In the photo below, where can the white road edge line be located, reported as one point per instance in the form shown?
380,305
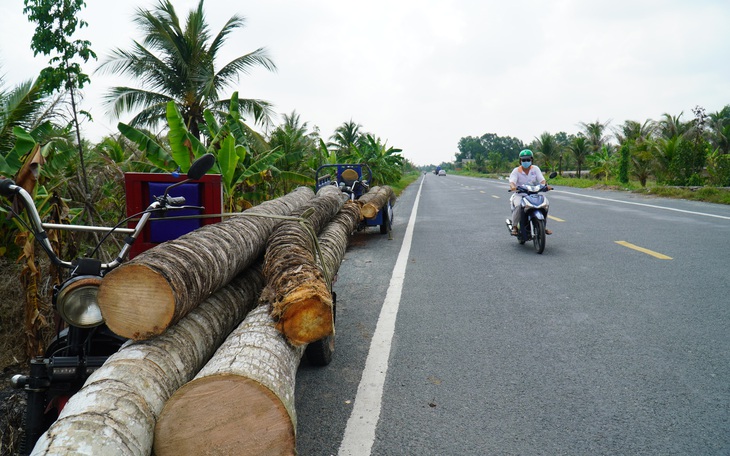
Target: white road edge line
646,205
360,431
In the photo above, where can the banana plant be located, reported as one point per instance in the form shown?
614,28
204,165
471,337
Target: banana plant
55,159
385,162
231,144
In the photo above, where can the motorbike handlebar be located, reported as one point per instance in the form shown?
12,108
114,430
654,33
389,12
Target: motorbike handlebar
176,200
6,187
520,188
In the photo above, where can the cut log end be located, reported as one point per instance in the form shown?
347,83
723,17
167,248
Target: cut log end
224,414
306,315
136,302
369,211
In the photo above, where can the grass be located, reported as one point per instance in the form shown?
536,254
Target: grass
405,181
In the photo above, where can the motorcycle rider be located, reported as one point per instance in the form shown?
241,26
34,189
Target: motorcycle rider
525,173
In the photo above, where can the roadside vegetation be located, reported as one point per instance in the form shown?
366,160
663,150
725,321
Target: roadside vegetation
181,102
671,157
708,194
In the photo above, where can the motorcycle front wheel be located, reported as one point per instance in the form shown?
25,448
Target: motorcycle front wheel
538,235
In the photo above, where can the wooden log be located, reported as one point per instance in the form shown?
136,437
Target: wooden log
375,199
295,284
335,237
116,410
145,296
242,401
232,407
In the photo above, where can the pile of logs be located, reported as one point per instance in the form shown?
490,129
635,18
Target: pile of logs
218,320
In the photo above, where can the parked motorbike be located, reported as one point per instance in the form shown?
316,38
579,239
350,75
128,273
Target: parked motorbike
84,343
534,215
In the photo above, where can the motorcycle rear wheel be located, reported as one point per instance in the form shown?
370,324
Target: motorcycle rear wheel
538,235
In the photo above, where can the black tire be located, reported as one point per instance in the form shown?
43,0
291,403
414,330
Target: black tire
385,227
521,234
538,235
320,352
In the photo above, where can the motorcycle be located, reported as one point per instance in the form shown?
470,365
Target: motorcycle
534,214
85,342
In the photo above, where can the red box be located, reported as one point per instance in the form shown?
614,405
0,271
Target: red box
141,188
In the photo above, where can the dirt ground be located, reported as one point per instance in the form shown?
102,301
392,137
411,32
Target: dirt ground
12,356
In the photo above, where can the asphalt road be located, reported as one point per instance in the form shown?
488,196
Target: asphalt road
593,348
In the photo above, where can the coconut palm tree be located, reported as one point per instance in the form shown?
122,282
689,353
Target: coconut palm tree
638,140
719,124
549,148
177,62
344,137
579,148
384,162
594,133
672,126
27,106
298,146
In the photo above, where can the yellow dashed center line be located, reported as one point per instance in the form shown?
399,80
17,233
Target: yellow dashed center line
555,218
643,250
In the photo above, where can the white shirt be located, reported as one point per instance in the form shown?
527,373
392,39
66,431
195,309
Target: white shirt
519,177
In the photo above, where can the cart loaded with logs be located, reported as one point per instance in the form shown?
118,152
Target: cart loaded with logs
217,321
376,202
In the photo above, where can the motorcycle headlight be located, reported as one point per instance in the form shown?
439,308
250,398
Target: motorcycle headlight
77,304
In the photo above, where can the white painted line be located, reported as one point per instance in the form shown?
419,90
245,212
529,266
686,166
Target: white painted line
360,431
646,205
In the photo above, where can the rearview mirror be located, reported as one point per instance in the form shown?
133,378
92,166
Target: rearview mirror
553,174
201,166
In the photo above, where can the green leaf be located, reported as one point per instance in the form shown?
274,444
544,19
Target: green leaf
213,127
228,159
24,143
264,162
154,152
185,147
295,178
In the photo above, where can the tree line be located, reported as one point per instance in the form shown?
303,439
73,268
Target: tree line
670,151
173,112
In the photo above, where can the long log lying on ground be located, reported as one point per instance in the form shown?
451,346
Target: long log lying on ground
295,284
116,410
143,297
242,401
230,407
374,200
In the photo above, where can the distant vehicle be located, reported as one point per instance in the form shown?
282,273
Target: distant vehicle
442,172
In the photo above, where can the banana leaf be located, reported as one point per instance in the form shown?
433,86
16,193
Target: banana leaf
154,152
228,160
185,147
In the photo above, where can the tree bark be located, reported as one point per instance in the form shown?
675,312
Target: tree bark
242,401
145,296
375,199
335,237
295,284
116,410
232,407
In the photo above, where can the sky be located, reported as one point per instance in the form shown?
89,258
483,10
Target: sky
422,74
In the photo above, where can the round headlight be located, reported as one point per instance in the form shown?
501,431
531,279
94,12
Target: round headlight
77,303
